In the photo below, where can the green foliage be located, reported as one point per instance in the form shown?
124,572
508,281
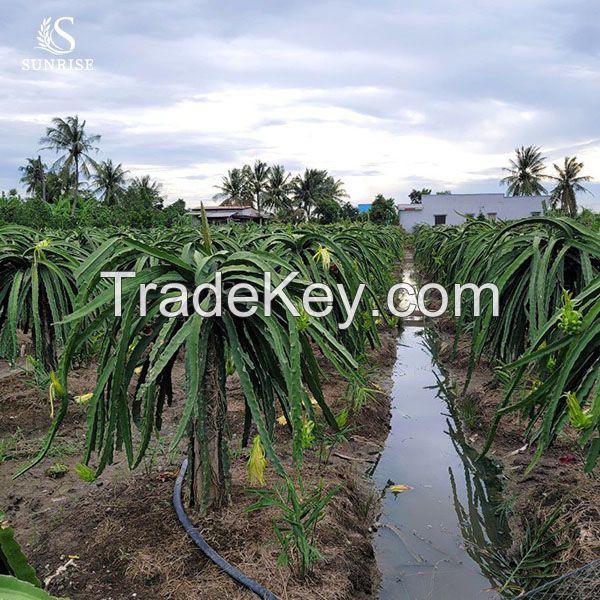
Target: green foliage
13,589
468,405
526,172
37,290
315,193
590,219
135,208
569,182
342,418
543,333
359,392
531,261
308,436
383,211
275,358
295,525
532,562
12,560
36,373
573,377
85,473
68,137
416,196
569,319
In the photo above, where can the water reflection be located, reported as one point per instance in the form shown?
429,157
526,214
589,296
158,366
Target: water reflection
437,540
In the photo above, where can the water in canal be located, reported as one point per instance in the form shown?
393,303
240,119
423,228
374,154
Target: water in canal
434,540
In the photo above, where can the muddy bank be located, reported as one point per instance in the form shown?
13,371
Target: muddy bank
557,482
123,530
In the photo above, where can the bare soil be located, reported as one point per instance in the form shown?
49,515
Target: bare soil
557,482
120,535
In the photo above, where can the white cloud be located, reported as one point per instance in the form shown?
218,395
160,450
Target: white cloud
387,95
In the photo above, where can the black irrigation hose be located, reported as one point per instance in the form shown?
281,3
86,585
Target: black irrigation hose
234,573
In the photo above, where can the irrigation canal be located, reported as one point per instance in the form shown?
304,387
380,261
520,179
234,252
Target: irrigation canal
434,541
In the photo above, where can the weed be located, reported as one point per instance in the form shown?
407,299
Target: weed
468,406
13,446
85,473
506,507
296,523
533,561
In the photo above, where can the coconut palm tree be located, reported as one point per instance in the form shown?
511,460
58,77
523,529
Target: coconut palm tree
234,189
68,136
110,180
568,184
308,189
145,192
526,173
34,177
314,186
334,189
279,187
258,179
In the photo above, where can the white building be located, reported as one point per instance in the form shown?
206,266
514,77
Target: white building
453,209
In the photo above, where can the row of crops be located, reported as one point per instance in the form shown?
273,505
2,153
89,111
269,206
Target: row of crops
52,290
546,340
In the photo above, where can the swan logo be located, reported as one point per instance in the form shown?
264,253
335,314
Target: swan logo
53,37
48,34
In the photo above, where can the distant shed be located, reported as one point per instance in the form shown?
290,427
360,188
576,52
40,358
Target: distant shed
226,214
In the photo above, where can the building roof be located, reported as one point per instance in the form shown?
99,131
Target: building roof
226,212
220,206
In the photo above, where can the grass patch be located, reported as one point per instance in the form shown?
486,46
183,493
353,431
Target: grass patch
17,447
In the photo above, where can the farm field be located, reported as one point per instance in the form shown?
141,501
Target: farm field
281,417
316,398
300,301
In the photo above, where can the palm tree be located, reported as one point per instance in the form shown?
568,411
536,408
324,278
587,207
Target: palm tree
34,177
416,196
68,136
526,173
109,180
279,188
315,186
145,191
568,184
257,178
333,189
57,186
307,189
234,189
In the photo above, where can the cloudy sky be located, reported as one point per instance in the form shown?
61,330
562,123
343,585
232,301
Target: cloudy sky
387,95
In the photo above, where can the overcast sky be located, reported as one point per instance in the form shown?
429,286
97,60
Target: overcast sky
386,95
